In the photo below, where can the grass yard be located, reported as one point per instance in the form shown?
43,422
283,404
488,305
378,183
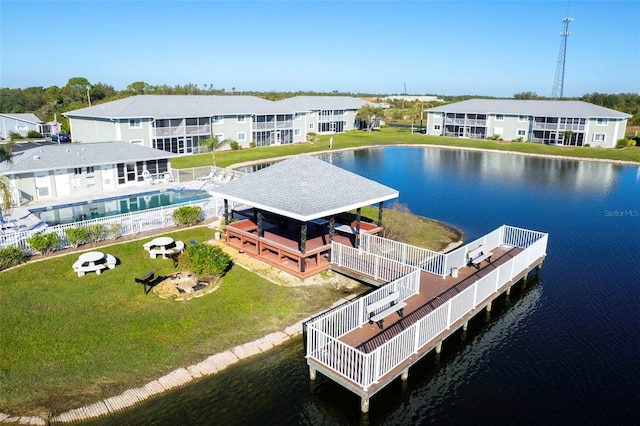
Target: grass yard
398,136
69,341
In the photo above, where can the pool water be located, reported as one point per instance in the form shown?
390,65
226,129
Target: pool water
70,213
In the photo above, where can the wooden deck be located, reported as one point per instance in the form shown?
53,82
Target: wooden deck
434,291
280,244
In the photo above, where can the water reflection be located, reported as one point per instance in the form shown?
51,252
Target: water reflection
565,349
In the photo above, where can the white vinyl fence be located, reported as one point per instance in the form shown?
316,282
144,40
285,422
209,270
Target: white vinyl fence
130,223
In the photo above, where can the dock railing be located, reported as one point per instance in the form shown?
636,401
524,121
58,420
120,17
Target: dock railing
427,260
365,369
373,264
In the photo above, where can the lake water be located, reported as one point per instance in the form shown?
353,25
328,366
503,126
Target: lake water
563,349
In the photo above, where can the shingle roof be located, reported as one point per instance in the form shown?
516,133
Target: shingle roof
305,188
52,157
27,117
179,106
311,103
577,109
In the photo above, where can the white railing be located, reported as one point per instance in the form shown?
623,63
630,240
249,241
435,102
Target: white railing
372,264
427,260
365,369
341,320
130,223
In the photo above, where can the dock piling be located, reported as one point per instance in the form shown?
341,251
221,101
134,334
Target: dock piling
404,375
312,373
364,404
439,347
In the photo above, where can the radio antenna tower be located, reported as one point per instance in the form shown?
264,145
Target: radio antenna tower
558,82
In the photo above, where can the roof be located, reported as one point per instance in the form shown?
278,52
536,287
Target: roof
178,106
51,157
305,188
315,103
578,109
30,118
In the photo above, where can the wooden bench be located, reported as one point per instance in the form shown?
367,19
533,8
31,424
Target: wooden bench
477,255
393,304
146,280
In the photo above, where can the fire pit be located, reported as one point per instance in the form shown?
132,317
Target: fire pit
183,286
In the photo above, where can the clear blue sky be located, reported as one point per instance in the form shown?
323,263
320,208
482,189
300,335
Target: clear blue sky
494,48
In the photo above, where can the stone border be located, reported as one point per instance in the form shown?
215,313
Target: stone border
177,378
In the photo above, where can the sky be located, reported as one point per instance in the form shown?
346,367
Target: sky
488,48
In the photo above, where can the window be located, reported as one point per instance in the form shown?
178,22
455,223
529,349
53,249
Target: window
217,119
499,117
136,142
598,137
77,171
135,123
242,136
523,118
310,126
220,136
296,132
241,118
522,132
436,127
602,121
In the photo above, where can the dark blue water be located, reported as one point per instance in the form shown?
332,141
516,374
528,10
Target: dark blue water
563,349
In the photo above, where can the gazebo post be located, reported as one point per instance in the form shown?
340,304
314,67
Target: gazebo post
226,211
332,232
303,245
358,214
259,223
380,205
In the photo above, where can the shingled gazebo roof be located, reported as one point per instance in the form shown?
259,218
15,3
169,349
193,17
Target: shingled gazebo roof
305,188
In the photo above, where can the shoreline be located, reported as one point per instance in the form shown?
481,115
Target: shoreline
181,376
529,154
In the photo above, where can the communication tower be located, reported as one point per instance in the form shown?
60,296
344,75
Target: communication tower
558,82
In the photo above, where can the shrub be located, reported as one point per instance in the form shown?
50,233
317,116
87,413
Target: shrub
33,134
495,138
252,144
312,137
623,143
205,260
15,136
520,139
187,215
76,236
95,232
44,243
234,145
11,256
113,230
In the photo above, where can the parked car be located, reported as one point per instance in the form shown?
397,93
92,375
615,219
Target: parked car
62,137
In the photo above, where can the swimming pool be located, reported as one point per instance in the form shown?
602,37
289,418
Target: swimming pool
76,212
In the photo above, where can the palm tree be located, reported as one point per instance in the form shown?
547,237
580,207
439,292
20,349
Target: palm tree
212,143
6,151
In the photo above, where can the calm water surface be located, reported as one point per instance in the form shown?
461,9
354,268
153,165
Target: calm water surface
563,349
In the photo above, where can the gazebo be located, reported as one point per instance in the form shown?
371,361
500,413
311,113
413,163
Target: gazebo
293,211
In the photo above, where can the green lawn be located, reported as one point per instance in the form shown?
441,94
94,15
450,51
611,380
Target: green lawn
395,136
68,340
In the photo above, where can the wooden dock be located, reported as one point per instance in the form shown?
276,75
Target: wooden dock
345,346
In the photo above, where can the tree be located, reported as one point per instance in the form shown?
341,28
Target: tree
6,151
369,115
212,143
76,90
138,88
